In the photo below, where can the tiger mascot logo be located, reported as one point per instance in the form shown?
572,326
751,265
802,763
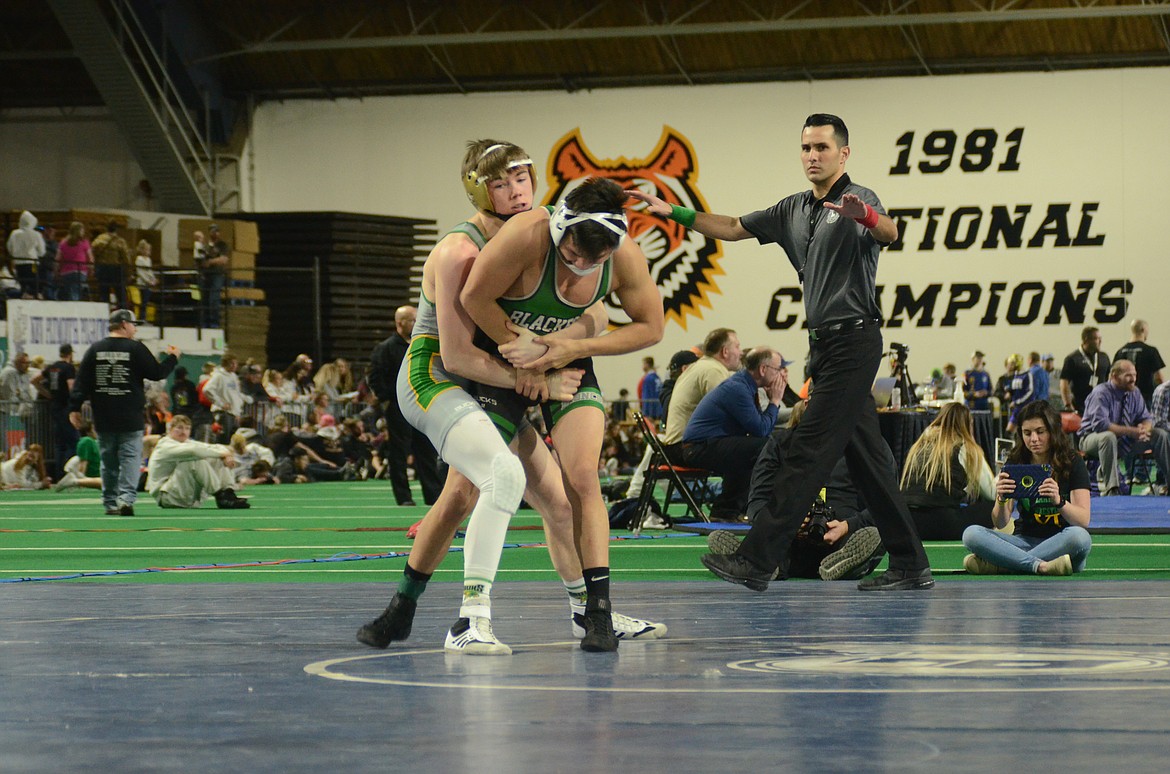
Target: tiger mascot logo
683,262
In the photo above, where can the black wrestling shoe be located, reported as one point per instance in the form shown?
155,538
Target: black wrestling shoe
898,580
227,499
599,634
393,624
733,568
125,510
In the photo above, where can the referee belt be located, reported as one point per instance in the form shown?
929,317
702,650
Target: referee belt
829,330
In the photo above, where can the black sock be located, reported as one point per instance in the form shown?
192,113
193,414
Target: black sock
596,585
413,582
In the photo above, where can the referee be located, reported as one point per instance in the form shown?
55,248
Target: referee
832,236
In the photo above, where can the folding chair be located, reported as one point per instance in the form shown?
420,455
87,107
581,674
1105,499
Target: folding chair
1139,470
1133,470
678,478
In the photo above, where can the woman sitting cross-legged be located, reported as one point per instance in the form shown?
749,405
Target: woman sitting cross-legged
1051,535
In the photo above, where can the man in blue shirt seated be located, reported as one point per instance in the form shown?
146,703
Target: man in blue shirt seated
1117,422
728,429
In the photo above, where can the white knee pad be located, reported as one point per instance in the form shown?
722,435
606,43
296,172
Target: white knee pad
507,481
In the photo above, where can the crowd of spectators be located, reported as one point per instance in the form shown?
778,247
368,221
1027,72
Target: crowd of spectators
292,426
39,265
39,262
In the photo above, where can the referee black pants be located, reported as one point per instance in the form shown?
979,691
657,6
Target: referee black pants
841,420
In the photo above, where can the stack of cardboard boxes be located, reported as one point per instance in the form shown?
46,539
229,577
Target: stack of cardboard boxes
245,312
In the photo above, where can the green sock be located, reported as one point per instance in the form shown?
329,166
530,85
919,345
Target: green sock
413,583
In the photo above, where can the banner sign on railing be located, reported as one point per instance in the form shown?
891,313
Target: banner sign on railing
41,327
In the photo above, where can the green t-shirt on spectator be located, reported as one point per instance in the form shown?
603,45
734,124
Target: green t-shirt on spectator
87,449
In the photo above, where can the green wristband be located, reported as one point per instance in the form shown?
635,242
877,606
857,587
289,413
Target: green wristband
682,215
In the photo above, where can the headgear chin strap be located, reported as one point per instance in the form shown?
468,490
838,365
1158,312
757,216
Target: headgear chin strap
563,218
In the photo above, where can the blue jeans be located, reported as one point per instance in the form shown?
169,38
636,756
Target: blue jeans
121,467
1021,554
211,288
74,286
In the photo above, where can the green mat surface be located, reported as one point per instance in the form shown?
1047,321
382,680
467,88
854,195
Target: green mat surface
352,532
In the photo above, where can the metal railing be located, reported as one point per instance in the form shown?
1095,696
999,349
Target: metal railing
183,134
25,423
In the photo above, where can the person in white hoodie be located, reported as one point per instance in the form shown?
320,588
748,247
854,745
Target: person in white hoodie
182,473
223,390
26,246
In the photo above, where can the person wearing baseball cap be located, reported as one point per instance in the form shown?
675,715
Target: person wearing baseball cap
679,361
120,316
213,276
117,397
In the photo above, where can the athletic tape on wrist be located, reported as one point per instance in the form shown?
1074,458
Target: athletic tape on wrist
682,215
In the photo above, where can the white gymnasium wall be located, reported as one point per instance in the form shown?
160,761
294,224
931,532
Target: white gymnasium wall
1088,156
1090,146
58,162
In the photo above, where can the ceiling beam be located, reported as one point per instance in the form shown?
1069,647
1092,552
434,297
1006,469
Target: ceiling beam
674,29
577,81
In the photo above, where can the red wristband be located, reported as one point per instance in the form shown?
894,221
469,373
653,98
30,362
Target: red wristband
870,219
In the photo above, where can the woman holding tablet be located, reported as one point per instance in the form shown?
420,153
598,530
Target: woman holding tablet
1050,537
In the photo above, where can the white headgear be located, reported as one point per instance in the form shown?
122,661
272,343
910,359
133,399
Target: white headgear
562,218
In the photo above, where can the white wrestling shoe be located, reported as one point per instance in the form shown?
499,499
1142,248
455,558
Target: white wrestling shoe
474,637
624,627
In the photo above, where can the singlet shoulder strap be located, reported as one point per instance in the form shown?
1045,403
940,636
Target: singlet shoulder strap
472,232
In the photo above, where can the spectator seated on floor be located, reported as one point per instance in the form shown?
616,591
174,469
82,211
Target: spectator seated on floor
260,473
327,461
84,468
294,469
945,469
1051,535
247,452
357,448
182,473
77,475
26,470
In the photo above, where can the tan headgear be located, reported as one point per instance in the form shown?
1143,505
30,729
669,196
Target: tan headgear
476,181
